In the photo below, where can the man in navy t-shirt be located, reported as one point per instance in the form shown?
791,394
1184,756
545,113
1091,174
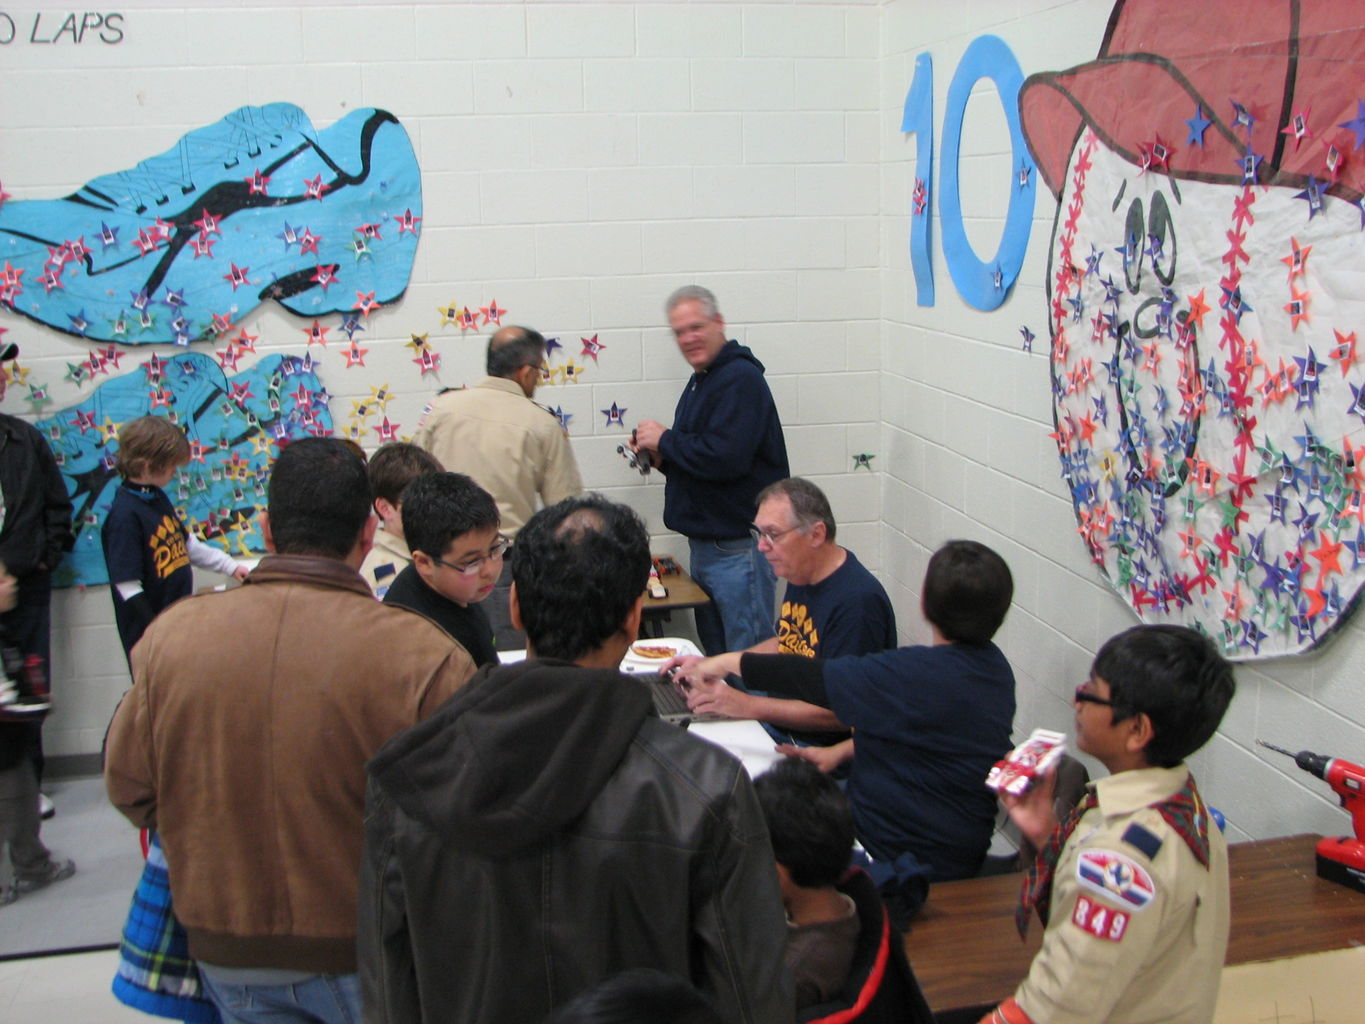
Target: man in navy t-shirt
832,607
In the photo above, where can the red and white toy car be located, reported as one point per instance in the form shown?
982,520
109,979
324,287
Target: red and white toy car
1026,762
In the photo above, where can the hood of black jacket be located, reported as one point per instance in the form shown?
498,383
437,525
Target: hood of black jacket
729,352
516,755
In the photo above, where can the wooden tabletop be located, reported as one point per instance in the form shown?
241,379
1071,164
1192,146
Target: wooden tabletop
966,952
683,592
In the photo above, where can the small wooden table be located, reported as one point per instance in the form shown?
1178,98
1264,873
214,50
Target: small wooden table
683,592
966,952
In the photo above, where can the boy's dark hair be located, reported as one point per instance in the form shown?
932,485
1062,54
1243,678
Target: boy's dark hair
578,566
809,821
395,466
639,994
439,507
512,348
809,504
1175,677
967,591
319,498
148,444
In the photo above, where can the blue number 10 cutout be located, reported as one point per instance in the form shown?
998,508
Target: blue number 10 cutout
981,285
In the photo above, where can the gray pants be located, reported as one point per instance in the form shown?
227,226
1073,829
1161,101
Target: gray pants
19,825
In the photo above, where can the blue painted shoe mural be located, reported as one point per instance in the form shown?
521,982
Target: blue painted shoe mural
257,206
236,426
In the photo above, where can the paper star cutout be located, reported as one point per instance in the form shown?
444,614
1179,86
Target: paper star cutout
450,314
1241,117
237,276
256,184
408,222
314,188
592,347
229,358
245,342
1332,159
1298,256
615,416
1249,164
1297,308
469,320
381,396
203,245
863,460
1345,352
354,355
365,303
1357,124
308,242
317,334
550,345
1199,124
1028,337
1297,128
569,373
1312,195
429,361
418,343
350,323
387,431
563,418
919,198
1024,175
3,195
492,314
325,274
240,393
1154,155
359,247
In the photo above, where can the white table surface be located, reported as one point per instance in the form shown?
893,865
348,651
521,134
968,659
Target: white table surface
747,740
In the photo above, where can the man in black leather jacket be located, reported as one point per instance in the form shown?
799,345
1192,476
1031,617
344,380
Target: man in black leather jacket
544,830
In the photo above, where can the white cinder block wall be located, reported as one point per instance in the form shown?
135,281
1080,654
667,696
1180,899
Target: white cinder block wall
966,453
579,161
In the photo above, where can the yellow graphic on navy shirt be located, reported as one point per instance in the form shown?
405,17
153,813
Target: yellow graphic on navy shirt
169,552
796,632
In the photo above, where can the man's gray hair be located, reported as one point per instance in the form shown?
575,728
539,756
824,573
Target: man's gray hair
512,348
693,293
809,504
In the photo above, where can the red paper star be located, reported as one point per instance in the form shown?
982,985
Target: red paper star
387,431
365,304
161,397
325,274
429,361
240,393
592,347
208,223
237,276
197,451
355,355
222,322
308,242
492,314
1297,128
408,222
314,187
245,342
256,184
1345,352
1328,554
1297,308
85,420
469,319
229,358
203,245
369,231
1297,258
316,334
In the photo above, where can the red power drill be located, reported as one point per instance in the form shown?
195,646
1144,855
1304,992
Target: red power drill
1341,858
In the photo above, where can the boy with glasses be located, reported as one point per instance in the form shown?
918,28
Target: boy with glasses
451,526
1133,886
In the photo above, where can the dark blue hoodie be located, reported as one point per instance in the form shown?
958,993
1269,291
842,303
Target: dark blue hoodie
724,447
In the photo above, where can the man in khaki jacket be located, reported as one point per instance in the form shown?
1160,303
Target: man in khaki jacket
513,448
244,740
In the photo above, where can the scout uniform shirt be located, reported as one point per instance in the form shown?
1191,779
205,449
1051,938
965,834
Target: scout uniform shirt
1138,926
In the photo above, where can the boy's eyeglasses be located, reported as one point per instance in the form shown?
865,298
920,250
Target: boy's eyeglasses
1084,696
472,566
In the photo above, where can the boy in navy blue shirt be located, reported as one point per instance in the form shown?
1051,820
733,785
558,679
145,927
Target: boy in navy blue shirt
929,722
147,549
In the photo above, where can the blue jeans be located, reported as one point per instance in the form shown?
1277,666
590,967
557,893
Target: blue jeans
742,588
322,999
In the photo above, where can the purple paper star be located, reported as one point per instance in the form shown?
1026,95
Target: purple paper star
1250,164
1357,124
1312,195
1241,117
615,416
1028,337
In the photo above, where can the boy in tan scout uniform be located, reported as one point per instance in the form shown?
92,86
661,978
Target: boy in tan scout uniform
1133,887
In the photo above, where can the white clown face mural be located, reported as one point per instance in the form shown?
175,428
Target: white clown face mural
1205,300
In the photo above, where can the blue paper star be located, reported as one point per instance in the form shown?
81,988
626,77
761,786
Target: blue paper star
1357,124
1250,165
1092,262
563,417
1199,124
1024,174
615,416
1028,337
1241,117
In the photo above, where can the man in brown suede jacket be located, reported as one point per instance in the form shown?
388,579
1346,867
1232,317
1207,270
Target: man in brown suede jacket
245,736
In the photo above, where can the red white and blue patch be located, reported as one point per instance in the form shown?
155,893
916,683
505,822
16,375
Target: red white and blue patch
1116,876
1099,919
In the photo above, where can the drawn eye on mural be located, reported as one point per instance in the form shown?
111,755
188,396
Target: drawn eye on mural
1207,394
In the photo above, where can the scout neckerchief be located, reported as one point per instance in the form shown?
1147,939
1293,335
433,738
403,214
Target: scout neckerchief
1183,811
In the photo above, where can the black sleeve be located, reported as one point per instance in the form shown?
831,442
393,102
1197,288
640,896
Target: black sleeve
57,536
789,675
